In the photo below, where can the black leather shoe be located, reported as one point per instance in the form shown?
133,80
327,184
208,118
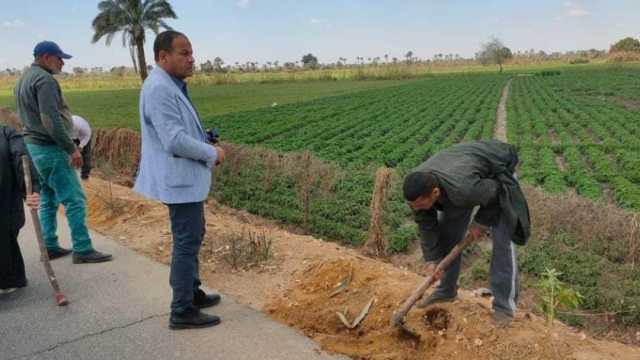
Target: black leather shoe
201,300
58,253
192,319
92,257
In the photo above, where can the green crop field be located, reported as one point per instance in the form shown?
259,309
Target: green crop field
575,127
580,129
571,131
396,127
113,108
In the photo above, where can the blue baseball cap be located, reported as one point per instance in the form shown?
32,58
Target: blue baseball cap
51,48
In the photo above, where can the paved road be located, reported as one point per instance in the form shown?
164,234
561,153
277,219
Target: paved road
119,310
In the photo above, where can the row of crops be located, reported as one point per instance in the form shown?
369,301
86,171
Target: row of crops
570,128
397,127
572,133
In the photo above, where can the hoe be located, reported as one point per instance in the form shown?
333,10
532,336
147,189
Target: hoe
397,320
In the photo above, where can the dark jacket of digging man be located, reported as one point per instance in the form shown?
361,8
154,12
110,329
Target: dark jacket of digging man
478,174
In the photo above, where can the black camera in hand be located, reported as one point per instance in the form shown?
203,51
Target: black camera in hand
213,137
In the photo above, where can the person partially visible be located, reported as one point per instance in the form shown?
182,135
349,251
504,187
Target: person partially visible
12,195
82,138
47,133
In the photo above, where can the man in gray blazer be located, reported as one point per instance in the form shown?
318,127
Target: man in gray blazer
175,168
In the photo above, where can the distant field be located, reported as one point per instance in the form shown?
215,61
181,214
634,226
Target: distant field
401,70
580,129
119,108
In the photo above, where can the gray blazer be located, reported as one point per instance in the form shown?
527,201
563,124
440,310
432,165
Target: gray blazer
176,162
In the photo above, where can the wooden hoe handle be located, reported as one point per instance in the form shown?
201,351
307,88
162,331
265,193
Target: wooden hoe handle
398,316
60,299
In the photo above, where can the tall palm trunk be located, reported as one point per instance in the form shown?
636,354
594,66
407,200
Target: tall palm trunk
142,63
133,58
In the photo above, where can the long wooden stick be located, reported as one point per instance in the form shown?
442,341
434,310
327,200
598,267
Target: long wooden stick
398,317
60,299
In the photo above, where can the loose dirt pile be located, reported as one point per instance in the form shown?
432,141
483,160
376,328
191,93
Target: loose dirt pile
463,329
299,286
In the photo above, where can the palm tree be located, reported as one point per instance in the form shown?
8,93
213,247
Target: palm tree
132,18
408,55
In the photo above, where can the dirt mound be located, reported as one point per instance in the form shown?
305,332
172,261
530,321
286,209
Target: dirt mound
110,205
449,331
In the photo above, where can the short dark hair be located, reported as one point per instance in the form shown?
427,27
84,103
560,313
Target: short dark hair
418,183
163,41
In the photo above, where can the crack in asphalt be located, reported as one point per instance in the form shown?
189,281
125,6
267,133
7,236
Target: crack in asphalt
86,336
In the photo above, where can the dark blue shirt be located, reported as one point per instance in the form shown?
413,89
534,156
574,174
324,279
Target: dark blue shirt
182,85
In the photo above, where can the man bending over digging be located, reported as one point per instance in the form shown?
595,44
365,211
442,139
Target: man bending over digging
443,192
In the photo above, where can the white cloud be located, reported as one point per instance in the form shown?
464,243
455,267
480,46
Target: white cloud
13,24
315,21
574,9
243,3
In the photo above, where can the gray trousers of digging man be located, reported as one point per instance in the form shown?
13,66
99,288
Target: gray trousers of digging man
440,231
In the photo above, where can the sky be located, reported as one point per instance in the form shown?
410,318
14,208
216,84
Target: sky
285,30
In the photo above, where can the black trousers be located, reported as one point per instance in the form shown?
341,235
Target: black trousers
187,227
87,163
12,273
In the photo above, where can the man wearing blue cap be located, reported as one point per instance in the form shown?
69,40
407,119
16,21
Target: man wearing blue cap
48,135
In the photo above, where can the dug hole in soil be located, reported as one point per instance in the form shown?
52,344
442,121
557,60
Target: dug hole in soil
306,282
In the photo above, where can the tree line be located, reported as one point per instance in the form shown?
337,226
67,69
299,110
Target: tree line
132,18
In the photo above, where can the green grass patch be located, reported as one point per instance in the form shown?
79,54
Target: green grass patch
606,286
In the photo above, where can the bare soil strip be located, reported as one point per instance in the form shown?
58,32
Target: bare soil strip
562,164
500,130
